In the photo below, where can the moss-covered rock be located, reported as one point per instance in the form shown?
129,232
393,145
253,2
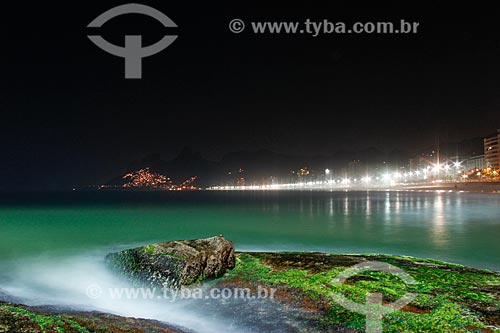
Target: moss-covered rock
451,298
176,263
15,318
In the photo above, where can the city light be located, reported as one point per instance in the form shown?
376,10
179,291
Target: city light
144,178
404,176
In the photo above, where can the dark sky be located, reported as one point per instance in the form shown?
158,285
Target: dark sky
69,117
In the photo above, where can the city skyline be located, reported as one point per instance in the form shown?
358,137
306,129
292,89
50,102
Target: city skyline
470,160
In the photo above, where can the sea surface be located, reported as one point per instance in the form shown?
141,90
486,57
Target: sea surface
52,245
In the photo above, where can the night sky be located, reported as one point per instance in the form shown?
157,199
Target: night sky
68,116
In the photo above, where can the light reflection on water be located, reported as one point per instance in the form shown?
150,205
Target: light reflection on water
448,226
457,227
52,248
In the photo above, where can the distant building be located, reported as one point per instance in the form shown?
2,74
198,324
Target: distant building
418,163
491,151
355,168
475,162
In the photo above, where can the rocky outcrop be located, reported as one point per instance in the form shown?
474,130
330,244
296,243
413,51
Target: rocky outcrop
176,263
293,292
449,297
17,318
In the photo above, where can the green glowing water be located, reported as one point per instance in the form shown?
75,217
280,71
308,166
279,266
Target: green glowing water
457,227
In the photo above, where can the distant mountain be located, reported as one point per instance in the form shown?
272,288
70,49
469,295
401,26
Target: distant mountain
250,166
261,162
186,165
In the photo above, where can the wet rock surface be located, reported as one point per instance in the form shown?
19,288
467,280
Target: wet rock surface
176,263
451,298
15,318
287,311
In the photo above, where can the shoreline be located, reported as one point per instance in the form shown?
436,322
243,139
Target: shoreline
458,187
303,287
468,187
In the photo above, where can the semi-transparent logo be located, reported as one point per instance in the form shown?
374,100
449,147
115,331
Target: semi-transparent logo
373,309
133,51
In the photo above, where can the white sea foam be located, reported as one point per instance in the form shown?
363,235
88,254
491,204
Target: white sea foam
64,281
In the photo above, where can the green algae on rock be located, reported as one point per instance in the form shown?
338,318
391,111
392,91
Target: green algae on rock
17,318
176,263
451,298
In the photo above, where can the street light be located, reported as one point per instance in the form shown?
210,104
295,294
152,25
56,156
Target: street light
327,176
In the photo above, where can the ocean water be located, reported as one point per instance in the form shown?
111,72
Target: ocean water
52,245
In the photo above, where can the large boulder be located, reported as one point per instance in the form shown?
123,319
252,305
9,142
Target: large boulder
176,263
